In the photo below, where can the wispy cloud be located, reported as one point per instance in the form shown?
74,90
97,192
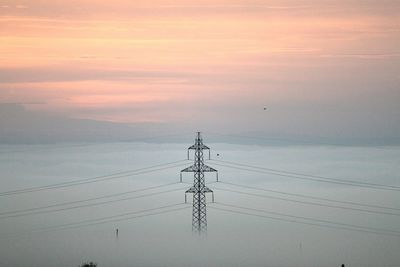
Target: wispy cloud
362,56
21,7
209,60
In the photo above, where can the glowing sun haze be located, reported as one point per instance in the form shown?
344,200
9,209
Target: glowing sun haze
168,61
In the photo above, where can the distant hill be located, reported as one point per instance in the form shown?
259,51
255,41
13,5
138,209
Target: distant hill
21,126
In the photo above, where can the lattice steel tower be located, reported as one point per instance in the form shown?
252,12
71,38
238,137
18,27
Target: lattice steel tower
199,188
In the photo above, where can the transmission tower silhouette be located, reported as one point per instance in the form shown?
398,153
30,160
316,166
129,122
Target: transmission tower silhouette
199,188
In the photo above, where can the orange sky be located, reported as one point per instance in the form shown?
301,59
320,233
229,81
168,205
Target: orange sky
171,60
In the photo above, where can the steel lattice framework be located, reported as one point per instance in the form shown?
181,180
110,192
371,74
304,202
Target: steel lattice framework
199,188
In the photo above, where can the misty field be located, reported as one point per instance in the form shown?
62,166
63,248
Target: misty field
71,223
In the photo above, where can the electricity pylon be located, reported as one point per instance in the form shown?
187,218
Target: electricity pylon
199,188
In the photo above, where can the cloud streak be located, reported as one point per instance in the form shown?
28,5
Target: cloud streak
177,61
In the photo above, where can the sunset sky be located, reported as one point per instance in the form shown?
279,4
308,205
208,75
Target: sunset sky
321,67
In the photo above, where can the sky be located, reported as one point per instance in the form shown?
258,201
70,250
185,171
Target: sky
321,68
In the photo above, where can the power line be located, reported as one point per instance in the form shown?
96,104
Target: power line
86,200
308,221
312,219
93,179
88,205
309,203
308,175
110,218
310,197
104,220
311,177
299,222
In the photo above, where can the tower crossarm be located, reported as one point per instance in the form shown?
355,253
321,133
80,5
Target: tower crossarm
191,190
206,168
194,190
199,146
195,168
207,190
192,168
202,168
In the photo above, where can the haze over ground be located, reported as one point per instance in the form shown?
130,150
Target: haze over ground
166,239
